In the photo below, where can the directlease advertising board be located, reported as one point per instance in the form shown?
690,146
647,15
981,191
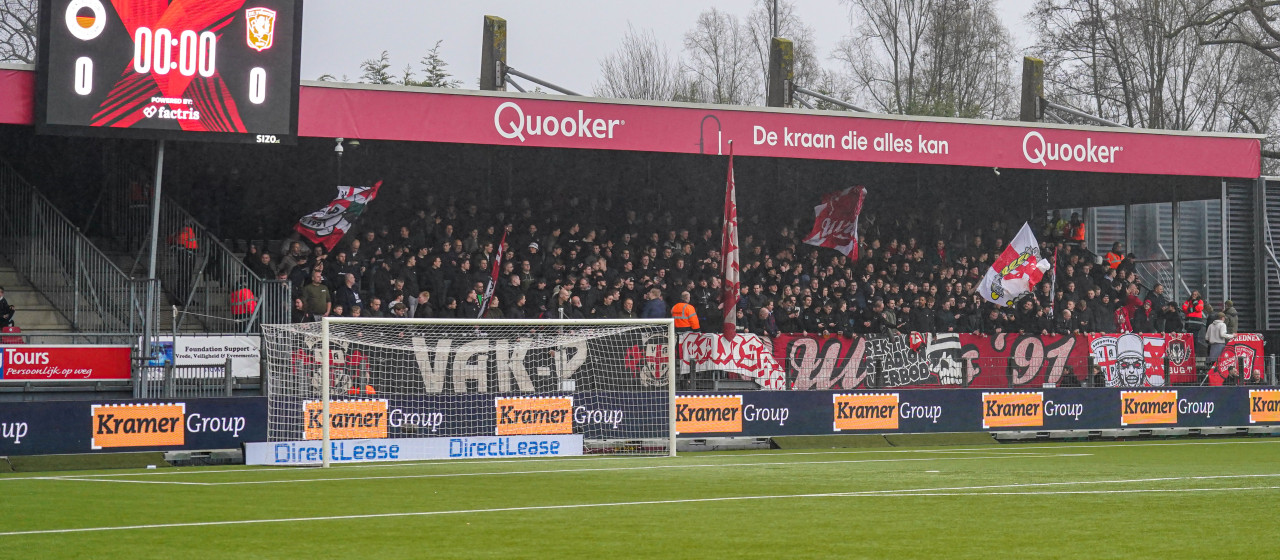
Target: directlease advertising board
27,363
413,449
59,427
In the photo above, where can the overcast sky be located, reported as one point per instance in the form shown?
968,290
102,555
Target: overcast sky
561,41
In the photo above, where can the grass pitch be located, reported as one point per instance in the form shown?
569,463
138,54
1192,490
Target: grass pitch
1177,499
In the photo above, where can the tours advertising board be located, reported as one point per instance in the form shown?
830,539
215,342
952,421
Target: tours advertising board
28,363
224,70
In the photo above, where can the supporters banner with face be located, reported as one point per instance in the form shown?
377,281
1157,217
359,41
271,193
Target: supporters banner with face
1016,271
729,256
835,223
1144,360
327,225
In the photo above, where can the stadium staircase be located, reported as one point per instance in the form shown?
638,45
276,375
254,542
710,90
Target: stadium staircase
199,273
34,312
60,281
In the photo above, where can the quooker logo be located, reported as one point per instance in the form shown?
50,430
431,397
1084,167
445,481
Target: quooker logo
510,120
1038,150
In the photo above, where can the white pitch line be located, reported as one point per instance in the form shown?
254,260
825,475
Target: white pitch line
897,493
1066,483
601,469
1071,492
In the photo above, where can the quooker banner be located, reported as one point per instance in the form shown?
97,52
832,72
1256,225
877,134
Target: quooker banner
332,111
471,118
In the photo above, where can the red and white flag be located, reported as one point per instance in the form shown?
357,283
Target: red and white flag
493,277
1016,271
835,223
327,225
729,256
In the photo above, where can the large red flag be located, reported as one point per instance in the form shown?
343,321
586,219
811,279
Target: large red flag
729,256
835,223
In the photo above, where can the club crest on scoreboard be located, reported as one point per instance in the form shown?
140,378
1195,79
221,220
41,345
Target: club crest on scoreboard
260,24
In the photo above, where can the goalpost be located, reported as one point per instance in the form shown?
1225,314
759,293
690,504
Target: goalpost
358,389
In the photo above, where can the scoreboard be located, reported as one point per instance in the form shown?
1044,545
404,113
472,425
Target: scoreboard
211,70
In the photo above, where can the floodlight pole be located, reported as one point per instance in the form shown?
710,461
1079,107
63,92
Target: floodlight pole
149,322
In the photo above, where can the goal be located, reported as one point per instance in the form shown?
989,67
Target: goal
358,389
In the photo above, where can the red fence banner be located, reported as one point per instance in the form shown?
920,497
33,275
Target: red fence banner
815,362
1022,360
64,363
748,355
1244,352
1139,360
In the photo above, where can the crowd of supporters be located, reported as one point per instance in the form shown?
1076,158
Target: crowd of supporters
910,274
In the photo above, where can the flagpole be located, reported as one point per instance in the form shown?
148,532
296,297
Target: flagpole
493,277
1053,284
729,256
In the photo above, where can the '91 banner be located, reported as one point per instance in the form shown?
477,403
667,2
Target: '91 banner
184,69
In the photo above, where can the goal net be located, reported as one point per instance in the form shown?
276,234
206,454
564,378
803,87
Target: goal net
414,389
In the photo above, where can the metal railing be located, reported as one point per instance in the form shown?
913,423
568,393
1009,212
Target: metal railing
51,253
169,381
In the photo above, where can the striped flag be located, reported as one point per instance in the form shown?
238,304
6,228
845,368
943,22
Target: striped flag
327,225
729,256
493,278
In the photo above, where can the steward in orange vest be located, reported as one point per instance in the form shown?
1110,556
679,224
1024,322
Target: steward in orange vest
685,315
1115,256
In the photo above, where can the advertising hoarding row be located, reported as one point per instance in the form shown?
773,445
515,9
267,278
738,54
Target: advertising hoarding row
61,427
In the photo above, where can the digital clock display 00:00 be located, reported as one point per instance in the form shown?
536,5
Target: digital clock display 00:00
195,66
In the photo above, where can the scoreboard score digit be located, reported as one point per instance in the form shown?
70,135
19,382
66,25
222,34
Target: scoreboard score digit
212,70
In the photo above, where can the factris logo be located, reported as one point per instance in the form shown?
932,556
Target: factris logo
1037,150
510,121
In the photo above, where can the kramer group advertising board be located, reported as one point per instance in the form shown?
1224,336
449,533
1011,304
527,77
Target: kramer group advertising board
60,427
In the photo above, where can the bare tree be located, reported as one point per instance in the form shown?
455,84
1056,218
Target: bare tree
18,30
1138,63
930,57
641,68
720,60
1252,23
